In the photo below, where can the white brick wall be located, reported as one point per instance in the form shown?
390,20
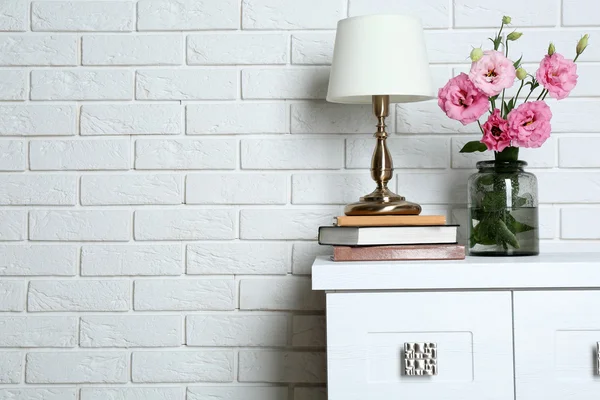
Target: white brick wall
38,50
11,364
165,164
131,331
189,84
131,119
32,120
101,260
13,85
77,367
238,330
38,331
184,294
39,394
151,393
83,295
243,392
12,295
13,155
282,366
82,16
13,15
132,50
225,118
237,48
182,366
81,84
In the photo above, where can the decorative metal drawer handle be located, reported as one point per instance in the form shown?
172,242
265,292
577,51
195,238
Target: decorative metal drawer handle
597,358
420,359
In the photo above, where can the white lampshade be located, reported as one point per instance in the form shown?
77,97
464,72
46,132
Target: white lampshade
380,55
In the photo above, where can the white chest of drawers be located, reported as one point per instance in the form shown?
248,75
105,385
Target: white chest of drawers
504,328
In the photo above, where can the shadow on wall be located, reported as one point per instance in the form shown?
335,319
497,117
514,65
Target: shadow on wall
319,84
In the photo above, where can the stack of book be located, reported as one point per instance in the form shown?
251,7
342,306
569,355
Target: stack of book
392,237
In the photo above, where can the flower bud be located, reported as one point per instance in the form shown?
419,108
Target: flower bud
476,54
521,73
551,49
582,44
514,36
506,20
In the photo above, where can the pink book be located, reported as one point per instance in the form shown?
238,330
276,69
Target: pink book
405,252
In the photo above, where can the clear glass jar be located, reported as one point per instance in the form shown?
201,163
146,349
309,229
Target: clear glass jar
503,210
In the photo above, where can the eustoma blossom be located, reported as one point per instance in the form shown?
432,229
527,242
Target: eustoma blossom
495,132
461,100
492,73
558,75
529,124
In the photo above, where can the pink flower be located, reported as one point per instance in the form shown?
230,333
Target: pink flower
495,132
461,100
529,124
558,75
492,73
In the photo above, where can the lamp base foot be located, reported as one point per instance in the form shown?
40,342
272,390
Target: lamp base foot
393,207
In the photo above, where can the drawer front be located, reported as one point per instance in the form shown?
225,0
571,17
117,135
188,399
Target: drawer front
556,336
366,334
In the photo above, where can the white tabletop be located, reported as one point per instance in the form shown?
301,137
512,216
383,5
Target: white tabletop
561,270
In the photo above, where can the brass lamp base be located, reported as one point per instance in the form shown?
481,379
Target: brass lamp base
399,207
382,201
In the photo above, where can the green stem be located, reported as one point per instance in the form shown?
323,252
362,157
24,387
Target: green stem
576,57
502,110
519,91
544,91
497,42
530,92
480,127
545,95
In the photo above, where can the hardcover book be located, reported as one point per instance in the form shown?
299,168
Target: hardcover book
386,235
397,253
390,220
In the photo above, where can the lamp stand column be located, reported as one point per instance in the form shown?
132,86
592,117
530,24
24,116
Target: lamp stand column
382,201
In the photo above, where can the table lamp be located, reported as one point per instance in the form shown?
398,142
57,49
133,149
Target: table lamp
380,59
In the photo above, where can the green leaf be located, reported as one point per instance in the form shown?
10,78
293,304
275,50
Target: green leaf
516,226
505,235
473,146
519,202
519,227
494,201
508,154
486,232
487,179
508,107
472,241
497,42
473,238
518,62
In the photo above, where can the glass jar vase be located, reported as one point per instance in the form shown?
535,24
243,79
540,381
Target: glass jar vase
503,210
